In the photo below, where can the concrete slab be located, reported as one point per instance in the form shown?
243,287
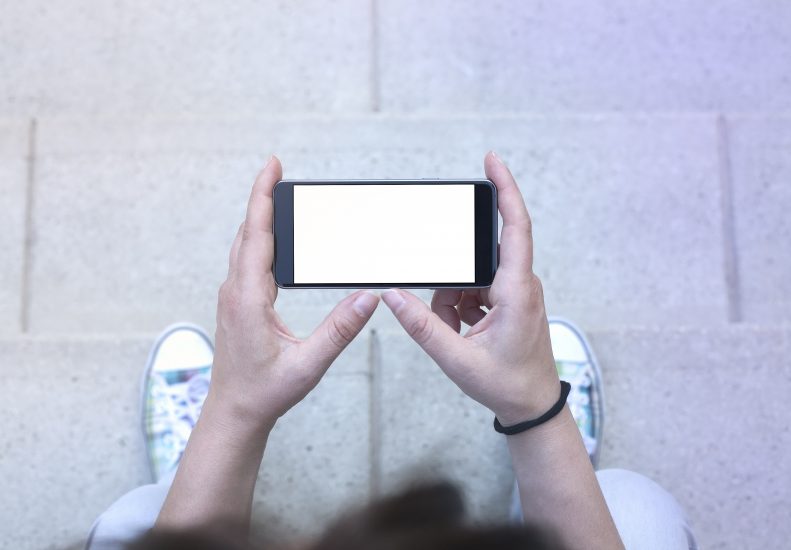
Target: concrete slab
135,216
761,178
627,219
429,430
14,135
72,442
703,413
140,57
540,56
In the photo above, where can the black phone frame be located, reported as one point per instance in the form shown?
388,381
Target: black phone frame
486,232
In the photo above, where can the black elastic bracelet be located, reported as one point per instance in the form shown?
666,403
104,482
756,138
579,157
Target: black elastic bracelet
565,388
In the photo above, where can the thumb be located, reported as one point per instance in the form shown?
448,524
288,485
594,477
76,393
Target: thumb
431,333
340,327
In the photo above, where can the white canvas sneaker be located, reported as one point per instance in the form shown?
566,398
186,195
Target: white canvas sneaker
175,385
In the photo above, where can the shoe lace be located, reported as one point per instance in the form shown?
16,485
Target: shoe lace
177,407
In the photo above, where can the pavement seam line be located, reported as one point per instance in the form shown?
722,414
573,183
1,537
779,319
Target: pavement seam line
730,252
374,416
376,99
24,305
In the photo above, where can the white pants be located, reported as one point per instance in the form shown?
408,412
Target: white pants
647,516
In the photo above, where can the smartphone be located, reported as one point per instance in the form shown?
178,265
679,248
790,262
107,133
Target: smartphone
385,233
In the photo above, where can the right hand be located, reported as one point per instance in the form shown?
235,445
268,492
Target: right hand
504,361
261,369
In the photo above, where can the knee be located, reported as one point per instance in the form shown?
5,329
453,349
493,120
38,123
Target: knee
619,482
129,517
624,488
644,511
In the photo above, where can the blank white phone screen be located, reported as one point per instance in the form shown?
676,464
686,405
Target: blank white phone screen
406,233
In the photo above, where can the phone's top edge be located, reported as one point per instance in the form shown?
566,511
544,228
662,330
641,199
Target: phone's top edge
420,180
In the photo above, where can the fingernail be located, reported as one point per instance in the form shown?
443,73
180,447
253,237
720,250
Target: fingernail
497,158
365,303
393,298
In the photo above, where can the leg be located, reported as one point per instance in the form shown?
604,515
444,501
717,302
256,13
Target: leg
129,517
647,516
175,383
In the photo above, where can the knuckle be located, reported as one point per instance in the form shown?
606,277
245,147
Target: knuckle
229,300
535,290
341,331
222,295
420,329
303,378
535,284
246,232
526,227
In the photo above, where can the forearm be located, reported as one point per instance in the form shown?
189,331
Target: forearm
558,487
213,489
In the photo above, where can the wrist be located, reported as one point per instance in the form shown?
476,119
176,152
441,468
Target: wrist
538,399
234,421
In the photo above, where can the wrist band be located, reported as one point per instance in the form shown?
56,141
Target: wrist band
565,388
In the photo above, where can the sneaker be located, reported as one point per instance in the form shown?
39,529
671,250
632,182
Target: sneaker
577,365
175,385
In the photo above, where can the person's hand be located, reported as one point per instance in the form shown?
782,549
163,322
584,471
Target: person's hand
260,368
504,361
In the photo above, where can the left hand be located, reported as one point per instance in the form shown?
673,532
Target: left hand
504,361
261,369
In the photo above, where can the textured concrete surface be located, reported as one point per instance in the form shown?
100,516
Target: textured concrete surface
428,429
247,57
703,412
353,55
13,196
72,442
627,220
134,218
540,55
761,163
71,435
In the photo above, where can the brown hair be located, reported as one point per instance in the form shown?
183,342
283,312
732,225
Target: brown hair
422,518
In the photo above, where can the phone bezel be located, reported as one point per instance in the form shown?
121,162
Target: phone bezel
486,228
